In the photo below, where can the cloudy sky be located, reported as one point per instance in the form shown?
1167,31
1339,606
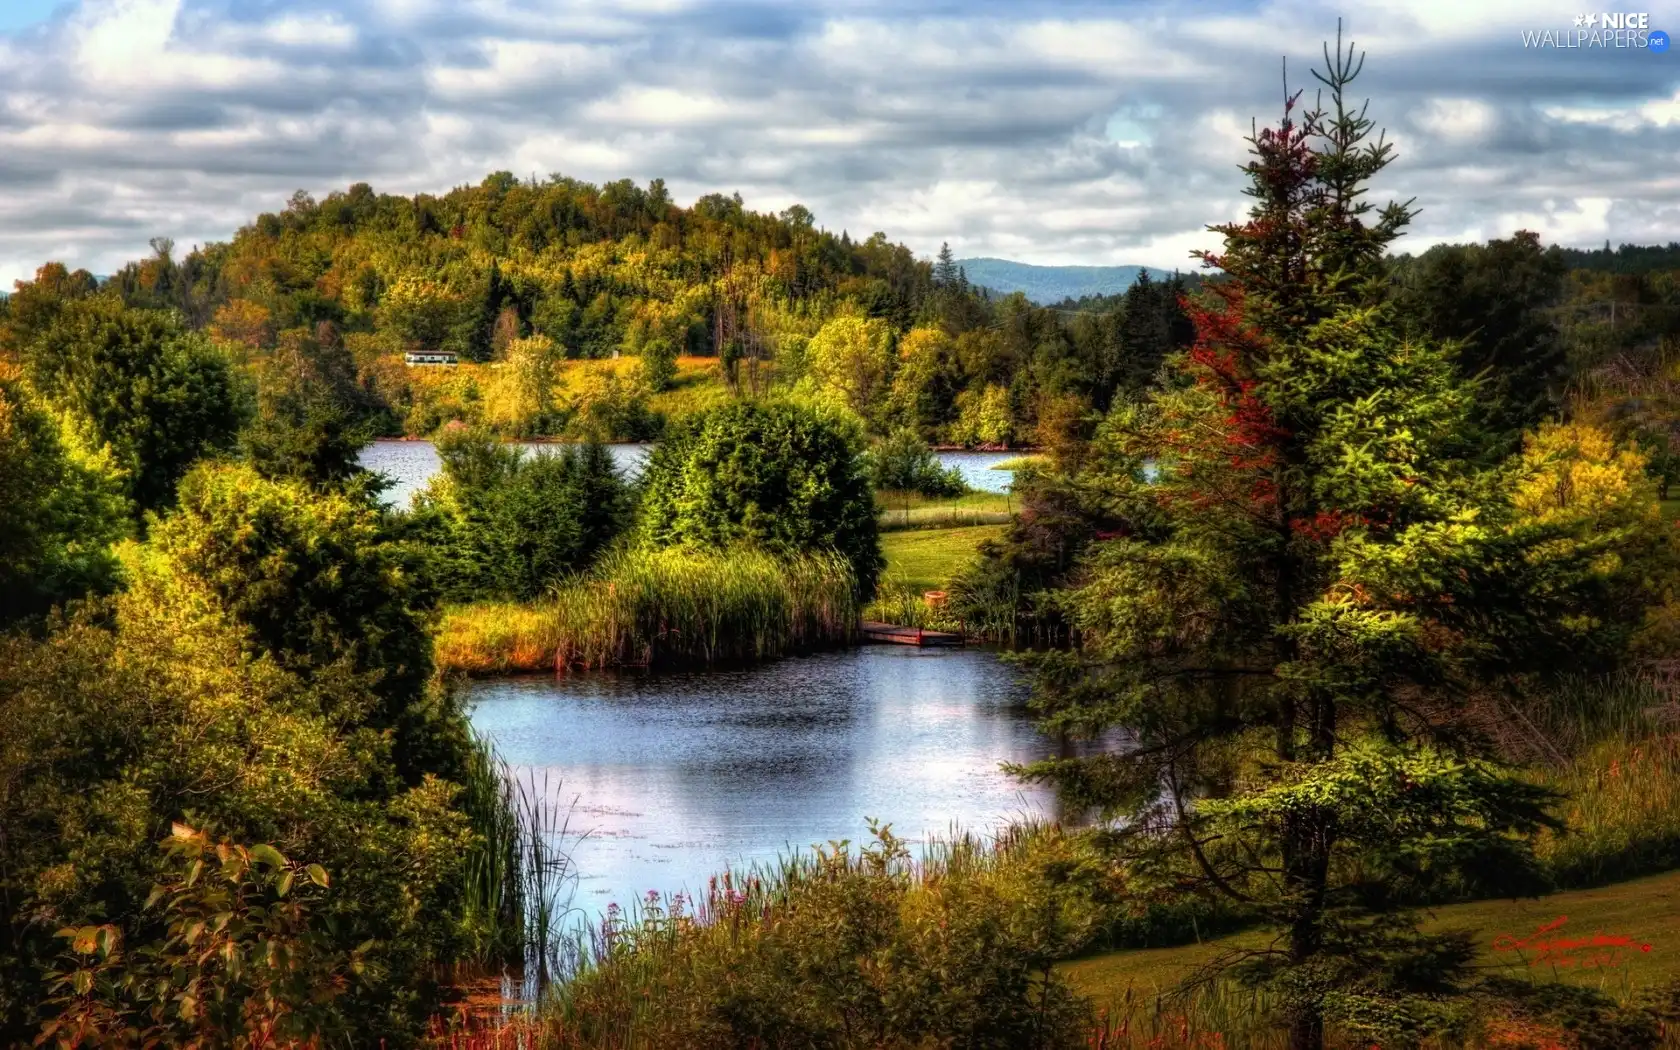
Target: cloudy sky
1076,132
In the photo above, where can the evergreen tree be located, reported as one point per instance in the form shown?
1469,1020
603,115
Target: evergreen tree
1153,324
1495,301
945,271
1312,577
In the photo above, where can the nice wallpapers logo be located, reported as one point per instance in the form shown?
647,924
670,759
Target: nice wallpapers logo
1607,30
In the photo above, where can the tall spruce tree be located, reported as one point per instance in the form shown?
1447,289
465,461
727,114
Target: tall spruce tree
1315,577
945,271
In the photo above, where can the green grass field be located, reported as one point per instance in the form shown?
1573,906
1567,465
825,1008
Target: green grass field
1646,912
910,510
926,559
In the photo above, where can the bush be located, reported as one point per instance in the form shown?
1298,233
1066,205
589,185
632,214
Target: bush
849,949
776,476
904,463
158,395
242,959
505,524
58,512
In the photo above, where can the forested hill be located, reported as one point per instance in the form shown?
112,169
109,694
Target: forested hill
1052,284
582,310
575,309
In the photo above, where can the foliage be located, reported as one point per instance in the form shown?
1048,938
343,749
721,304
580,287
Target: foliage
59,510
1494,301
776,476
848,947
320,583
502,523
643,608
1313,571
136,381
128,716
984,418
849,364
903,462
312,416
241,960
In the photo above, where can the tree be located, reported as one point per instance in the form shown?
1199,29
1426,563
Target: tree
945,272
778,476
313,417
1313,577
34,305
320,582
925,383
523,401
1153,324
241,321
59,511
507,524
133,380
1495,301
904,463
849,363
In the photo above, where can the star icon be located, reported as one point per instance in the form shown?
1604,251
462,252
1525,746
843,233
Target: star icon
1580,20
1592,20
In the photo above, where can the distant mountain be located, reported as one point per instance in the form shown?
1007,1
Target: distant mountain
1052,284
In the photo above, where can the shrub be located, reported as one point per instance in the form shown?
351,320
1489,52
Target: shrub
502,523
241,960
849,949
903,462
777,476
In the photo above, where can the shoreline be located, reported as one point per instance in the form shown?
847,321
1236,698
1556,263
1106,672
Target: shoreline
1023,450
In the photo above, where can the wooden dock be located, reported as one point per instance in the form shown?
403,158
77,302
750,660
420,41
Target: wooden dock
873,631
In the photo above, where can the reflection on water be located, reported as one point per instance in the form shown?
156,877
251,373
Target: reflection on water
410,464
676,776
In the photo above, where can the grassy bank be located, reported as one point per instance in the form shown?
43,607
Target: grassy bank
925,559
1639,949
641,609
488,638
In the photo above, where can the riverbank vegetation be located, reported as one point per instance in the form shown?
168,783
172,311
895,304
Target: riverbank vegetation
1363,556
685,606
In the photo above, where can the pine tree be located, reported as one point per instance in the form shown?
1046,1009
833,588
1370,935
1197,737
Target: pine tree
1313,577
945,273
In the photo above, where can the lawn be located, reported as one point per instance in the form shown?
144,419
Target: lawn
925,559
911,510
1615,937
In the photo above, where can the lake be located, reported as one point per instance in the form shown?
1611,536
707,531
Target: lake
411,464
671,777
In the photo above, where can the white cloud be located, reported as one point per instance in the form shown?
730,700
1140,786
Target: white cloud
1053,133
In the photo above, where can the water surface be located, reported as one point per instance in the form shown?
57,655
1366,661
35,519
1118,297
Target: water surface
676,776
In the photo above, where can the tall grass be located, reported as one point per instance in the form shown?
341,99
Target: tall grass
496,638
1621,809
841,947
518,875
644,608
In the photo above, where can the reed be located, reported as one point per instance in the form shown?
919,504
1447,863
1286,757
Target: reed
643,608
518,873
496,638
1621,810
